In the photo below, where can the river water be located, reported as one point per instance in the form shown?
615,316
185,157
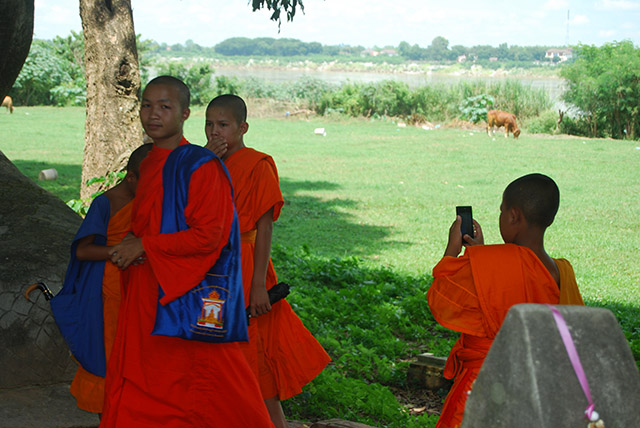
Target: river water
553,85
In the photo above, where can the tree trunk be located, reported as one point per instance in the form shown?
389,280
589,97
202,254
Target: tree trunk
16,32
112,127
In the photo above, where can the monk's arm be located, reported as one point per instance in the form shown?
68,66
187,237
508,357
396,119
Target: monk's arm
209,214
259,298
452,297
87,250
454,245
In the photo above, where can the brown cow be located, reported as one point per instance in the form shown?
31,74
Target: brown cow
502,118
8,103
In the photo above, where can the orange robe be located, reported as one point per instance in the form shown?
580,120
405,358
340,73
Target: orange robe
569,292
87,388
473,293
160,381
283,354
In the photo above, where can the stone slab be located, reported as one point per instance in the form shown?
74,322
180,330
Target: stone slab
432,360
527,379
427,372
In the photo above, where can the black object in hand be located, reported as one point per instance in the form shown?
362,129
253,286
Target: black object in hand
276,293
467,221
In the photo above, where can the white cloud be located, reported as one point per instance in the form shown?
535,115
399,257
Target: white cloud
580,20
556,5
618,5
50,13
607,34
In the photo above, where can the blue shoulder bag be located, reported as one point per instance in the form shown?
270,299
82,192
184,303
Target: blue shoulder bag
212,311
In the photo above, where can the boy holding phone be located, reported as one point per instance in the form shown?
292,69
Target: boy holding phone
473,293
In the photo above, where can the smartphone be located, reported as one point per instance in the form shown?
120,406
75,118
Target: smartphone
467,221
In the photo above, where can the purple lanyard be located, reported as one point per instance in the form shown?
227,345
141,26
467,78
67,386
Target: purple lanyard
591,414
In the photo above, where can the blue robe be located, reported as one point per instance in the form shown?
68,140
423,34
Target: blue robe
78,308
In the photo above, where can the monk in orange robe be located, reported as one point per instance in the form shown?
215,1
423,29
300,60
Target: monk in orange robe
473,293
161,381
281,351
111,210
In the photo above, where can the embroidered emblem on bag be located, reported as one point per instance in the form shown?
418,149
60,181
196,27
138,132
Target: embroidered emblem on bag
211,315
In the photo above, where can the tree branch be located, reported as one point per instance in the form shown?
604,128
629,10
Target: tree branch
277,6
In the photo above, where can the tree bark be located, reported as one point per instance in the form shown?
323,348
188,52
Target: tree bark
112,127
16,32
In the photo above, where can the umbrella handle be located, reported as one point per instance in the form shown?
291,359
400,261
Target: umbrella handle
40,286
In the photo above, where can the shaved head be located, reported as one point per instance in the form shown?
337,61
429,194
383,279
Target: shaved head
536,195
183,90
136,158
234,103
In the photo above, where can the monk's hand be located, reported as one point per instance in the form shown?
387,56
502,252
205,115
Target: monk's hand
259,300
478,239
217,145
454,246
128,251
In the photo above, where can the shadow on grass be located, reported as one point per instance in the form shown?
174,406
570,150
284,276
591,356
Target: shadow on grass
325,224
66,186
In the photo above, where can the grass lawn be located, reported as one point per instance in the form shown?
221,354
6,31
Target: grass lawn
387,194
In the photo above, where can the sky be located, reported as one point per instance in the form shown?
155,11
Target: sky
371,23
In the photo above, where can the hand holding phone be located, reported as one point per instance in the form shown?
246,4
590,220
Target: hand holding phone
467,221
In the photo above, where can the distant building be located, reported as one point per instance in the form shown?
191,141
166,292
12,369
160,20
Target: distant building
462,58
561,54
389,52
493,59
369,52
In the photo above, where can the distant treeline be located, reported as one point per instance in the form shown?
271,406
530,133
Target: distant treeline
438,50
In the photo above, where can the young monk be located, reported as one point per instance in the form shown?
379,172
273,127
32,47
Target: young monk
281,351
162,381
106,223
473,293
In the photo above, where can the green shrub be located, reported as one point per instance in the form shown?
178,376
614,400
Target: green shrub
543,124
386,98
346,100
197,77
434,103
311,90
332,395
582,125
396,99
253,87
227,85
474,109
523,101
370,321
69,93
